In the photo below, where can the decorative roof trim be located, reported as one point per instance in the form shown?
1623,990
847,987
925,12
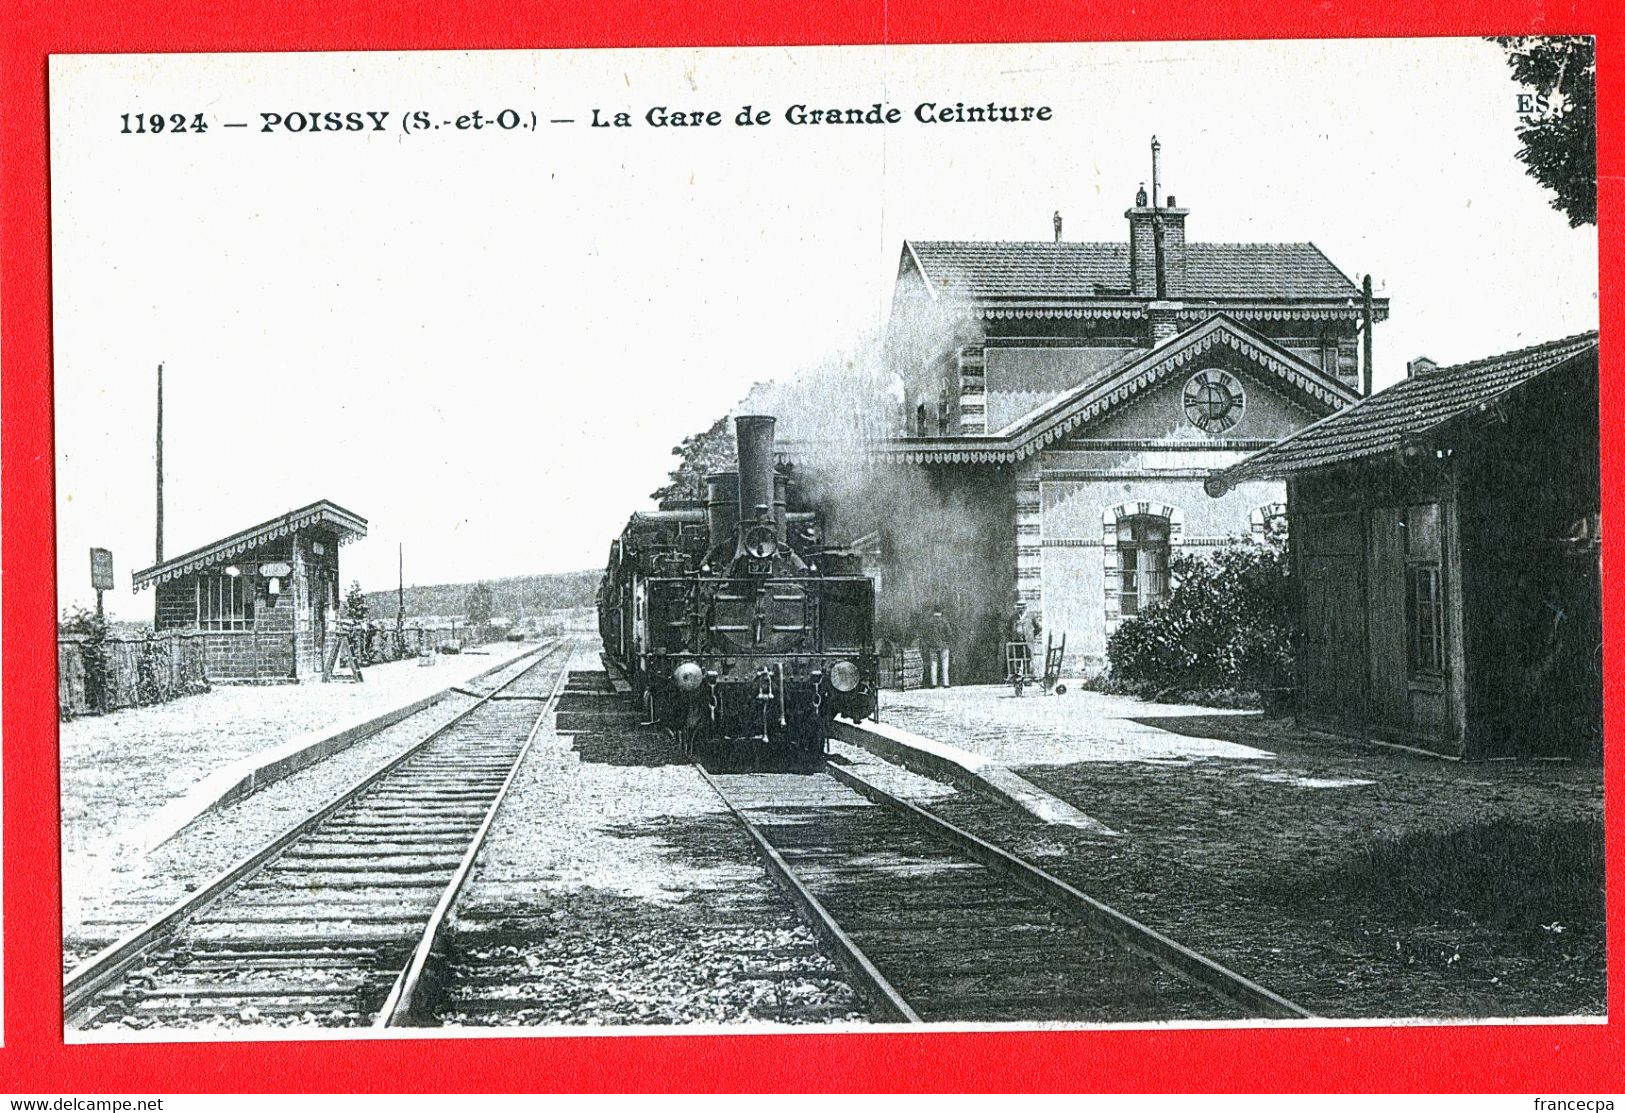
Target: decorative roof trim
1264,312
1063,312
349,525
1045,429
1191,311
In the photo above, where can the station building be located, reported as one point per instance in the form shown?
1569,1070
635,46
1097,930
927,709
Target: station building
1065,402
265,599
1446,536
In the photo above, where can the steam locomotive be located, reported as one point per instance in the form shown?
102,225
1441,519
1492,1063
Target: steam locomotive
737,630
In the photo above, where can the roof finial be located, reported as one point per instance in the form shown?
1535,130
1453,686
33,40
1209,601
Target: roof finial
1057,225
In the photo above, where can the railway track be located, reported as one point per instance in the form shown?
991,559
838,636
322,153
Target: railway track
334,922
935,924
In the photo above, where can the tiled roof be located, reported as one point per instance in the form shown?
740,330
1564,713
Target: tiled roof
1390,419
349,525
1043,270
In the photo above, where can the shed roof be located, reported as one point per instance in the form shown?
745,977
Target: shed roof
1391,419
348,524
1037,269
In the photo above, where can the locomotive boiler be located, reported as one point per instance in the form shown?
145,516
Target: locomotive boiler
736,628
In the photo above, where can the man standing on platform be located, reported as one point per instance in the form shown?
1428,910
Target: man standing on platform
936,638
1024,631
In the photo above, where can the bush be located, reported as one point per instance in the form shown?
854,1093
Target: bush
83,625
1224,624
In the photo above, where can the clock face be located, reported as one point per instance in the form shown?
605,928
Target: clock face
1214,401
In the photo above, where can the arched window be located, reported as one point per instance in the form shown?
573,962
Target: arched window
1269,522
1138,538
1142,561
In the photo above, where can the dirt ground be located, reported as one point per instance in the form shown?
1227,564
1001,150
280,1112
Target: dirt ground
1356,880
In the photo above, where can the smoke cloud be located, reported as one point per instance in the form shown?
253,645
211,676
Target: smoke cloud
934,536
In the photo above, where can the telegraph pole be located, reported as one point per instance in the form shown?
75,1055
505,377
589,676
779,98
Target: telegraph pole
158,557
1370,317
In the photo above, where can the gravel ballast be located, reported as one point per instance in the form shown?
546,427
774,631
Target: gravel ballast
107,894
616,889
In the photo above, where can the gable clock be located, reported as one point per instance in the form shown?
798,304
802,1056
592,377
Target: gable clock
1214,400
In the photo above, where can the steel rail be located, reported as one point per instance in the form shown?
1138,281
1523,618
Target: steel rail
1174,957
95,973
883,997
403,1006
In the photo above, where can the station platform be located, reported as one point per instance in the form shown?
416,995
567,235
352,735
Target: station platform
990,720
119,771
978,735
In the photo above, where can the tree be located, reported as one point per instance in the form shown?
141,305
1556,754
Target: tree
1558,120
699,456
355,603
479,605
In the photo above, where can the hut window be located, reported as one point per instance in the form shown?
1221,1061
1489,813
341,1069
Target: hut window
1142,550
1426,620
224,603
1424,593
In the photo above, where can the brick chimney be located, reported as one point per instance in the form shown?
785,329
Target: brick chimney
1149,276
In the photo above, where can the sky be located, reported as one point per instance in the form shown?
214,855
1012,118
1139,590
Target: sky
487,341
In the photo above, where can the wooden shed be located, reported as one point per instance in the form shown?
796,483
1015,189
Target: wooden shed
1446,548
266,598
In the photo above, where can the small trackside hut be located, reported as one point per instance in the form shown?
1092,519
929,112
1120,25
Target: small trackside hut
265,599
1446,547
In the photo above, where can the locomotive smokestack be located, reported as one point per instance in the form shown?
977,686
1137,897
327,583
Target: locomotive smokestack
755,439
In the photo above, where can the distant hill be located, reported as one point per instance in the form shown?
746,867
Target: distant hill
513,596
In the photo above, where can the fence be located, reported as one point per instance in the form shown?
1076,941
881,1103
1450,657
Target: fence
377,643
94,677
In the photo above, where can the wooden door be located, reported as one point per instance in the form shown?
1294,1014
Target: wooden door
1385,598
1410,671
1331,657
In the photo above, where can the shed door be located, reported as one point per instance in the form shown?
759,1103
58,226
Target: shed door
1386,597
1332,658
1410,662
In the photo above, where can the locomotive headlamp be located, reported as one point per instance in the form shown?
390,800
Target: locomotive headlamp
688,676
761,542
843,676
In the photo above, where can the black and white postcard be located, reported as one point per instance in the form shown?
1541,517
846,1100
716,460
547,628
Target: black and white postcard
761,539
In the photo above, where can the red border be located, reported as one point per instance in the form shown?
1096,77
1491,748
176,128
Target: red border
1547,1059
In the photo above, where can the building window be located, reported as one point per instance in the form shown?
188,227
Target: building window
224,603
1269,522
1424,592
1142,553
1426,619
